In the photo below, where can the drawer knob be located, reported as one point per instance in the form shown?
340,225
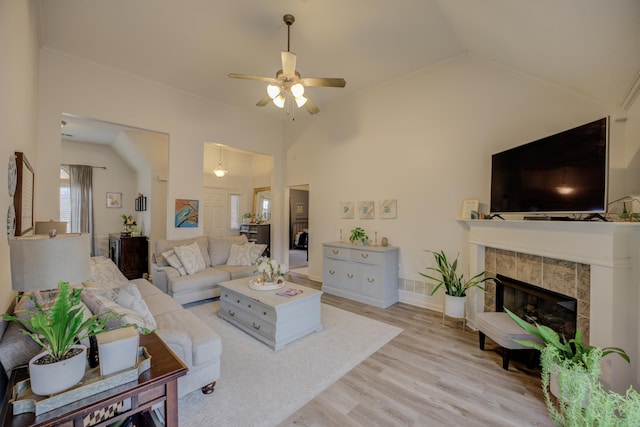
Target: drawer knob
370,280
249,305
332,272
364,255
335,251
350,276
256,327
264,313
231,313
238,301
226,295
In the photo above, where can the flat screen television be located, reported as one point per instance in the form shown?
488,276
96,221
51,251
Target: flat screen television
563,173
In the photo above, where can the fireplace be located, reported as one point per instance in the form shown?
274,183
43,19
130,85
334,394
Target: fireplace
532,303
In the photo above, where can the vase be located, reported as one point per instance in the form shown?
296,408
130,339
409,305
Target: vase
55,377
454,306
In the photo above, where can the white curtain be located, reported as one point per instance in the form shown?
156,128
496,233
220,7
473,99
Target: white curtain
81,198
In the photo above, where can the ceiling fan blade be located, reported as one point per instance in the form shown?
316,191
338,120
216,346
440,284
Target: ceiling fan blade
323,81
250,77
288,64
264,101
311,107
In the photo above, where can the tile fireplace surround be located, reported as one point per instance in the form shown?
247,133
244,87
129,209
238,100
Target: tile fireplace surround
596,262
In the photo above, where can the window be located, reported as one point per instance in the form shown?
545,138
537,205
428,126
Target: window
65,200
234,204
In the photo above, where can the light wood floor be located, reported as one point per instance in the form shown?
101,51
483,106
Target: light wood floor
429,375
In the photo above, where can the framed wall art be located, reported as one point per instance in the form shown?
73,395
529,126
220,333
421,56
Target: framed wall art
186,213
388,209
346,210
366,210
470,209
114,200
23,195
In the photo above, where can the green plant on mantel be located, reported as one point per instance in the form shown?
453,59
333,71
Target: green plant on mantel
454,283
358,235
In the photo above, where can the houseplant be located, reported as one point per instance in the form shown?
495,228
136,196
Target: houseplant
62,363
358,236
455,284
571,371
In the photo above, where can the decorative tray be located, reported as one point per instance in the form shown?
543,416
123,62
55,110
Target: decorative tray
24,400
265,286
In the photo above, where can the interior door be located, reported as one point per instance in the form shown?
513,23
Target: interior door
215,212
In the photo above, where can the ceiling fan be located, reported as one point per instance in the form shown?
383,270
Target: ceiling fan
288,84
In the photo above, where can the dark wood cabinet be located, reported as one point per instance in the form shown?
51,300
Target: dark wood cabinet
258,233
130,254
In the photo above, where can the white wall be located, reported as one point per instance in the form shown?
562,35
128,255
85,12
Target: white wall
425,140
77,87
18,107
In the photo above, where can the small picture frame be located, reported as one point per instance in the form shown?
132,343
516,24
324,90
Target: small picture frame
114,200
470,209
366,210
346,210
388,209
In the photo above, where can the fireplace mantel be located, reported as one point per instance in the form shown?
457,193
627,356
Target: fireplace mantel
612,249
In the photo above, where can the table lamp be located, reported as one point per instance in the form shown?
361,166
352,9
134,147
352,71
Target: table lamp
39,262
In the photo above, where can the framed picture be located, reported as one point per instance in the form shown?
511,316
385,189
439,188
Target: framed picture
23,195
114,200
388,209
186,213
346,210
470,209
366,210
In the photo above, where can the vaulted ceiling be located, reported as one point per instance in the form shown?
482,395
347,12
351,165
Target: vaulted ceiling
591,47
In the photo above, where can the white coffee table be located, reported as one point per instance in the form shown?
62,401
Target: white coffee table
271,318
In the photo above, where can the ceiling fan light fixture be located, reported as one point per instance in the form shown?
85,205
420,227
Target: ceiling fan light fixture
273,91
279,101
300,101
297,90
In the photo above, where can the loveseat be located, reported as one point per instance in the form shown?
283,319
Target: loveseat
225,258
194,342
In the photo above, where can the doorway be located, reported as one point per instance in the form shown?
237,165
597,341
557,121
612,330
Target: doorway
299,229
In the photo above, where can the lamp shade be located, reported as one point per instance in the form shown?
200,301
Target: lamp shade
39,262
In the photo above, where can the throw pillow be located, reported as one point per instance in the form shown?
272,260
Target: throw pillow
99,304
191,258
129,297
105,273
174,261
256,251
240,254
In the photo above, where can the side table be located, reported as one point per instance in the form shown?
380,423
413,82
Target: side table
159,384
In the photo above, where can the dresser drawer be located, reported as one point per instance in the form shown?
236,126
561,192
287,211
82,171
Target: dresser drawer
260,311
366,256
332,272
337,252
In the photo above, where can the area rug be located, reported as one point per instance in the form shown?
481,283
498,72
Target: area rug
260,387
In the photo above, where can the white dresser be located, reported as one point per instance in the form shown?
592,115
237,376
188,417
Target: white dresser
368,274
271,318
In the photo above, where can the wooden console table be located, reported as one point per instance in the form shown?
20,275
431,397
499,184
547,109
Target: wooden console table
159,384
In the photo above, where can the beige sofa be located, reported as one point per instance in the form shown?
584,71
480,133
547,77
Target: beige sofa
194,342
204,284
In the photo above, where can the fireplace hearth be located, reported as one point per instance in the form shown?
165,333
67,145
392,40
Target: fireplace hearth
533,303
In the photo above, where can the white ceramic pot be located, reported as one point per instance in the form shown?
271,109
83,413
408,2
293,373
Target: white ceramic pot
454,306
56,377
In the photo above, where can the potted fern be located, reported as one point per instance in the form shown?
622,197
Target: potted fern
455,284
571,371
62,363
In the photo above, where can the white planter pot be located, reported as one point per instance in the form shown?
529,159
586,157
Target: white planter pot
56,377
454,306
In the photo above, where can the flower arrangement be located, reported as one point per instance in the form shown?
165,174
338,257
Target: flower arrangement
128,222
271,271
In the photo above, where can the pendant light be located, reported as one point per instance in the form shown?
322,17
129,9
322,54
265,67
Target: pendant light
220,171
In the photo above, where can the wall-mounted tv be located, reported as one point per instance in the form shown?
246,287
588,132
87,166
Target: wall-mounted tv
562,173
